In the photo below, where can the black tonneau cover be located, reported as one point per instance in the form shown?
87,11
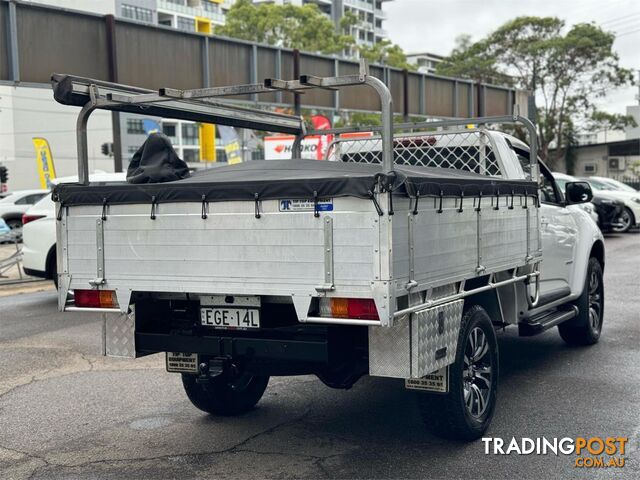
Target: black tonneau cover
294,179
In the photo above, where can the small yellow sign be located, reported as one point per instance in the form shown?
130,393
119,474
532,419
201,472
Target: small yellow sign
44,161
207,142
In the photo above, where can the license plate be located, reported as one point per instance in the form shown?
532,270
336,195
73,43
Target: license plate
229,317
182,362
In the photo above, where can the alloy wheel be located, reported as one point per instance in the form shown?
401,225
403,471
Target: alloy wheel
477,373
595,301
625,222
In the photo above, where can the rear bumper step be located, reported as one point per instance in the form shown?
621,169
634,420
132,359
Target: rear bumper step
314,351
546,321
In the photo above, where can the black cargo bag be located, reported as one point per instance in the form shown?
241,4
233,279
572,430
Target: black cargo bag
156,162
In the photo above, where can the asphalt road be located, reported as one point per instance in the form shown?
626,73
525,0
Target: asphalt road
66,412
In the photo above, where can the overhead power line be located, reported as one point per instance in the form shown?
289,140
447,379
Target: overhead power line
627,33
617,19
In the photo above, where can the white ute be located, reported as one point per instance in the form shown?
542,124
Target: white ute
399,257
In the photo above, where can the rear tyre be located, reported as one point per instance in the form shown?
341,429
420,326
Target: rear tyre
224,395
585,329
15,225
466,411
52,268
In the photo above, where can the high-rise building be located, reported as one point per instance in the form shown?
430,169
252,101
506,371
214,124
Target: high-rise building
369,13
203,15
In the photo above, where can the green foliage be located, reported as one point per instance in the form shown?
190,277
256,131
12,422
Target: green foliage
289,26
566,69
386,53
305,28
600,120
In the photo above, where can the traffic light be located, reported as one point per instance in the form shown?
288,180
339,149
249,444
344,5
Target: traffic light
107,149
4,174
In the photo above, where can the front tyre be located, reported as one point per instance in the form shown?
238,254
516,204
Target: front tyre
465,412
626,221
224,395
585,329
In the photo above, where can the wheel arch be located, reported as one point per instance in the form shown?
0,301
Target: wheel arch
489,302
50,263
597,251
634,220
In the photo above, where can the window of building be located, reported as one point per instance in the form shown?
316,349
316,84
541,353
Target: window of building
190,134
169,129
132,149
191,155
137,13
361,35
134,126
211,7
165,19
186,24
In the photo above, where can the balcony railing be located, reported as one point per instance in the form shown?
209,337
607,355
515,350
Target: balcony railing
191,11
359,4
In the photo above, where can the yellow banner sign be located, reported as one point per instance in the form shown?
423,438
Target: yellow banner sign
44,161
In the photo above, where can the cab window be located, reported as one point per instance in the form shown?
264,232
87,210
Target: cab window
549,191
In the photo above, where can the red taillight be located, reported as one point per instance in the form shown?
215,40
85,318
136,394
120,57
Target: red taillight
356,308
95,298
30,218
362,309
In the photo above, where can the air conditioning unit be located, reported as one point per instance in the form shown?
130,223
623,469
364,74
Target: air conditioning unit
590,168
617,164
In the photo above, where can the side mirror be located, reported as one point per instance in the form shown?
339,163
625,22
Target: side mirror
578,192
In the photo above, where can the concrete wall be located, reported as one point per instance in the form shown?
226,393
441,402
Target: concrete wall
31,112
634,111
598,155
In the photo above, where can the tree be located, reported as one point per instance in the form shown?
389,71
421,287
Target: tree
305,28
386,53
603,121
566,69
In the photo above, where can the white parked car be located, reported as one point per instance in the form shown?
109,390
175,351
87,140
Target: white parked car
561,180
39,230
15,204
617,184
631,214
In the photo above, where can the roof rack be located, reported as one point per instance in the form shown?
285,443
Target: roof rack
204,105
200,105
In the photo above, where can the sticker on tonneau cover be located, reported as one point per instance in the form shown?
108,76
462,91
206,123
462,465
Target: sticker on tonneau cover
437,381
291,205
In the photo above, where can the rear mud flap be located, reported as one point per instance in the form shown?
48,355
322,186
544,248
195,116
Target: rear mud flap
118,334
